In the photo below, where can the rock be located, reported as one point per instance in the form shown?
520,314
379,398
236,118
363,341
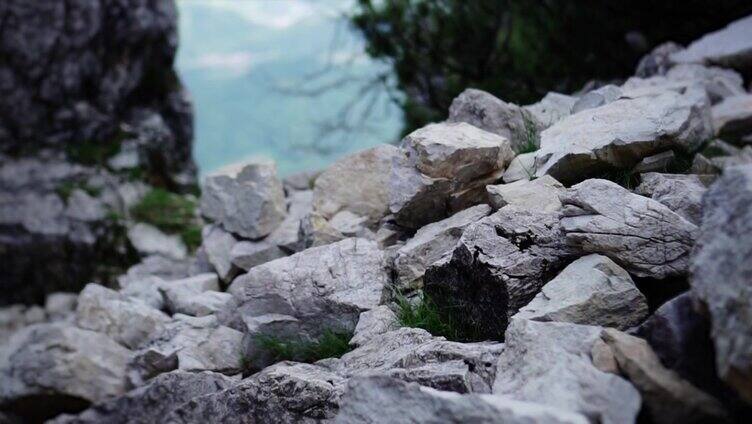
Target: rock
245,199
499,264
416,199
145,289
703,166
156,266
522,167
148,240
549,363
60,306
598,97
719,274
372,323
592,290
681,193
719,83
642,235
217,244
83,207
61,367
315,231
483,110
287,235
541,194
668,397
248,254
127,320
197,296
728,47
152,402
358,183
655,163
432,242
283,393
621,133
383,399
551,109
16,317
733,116
350,224
658,61
300,181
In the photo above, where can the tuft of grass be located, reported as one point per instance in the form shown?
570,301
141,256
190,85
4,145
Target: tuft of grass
331,344
171,213
92,152
531,135
66,188
623,177
425,314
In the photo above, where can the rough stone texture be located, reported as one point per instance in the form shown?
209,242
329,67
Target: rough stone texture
598,97
551,109
372,323
621,133
287,235
245,199
592,290
720,270
150,403
657,62
61,367
681,193
59,306
149,240
145,289
300,181
186,296
156,266
16,317
315,231
128,321
522,167
217,244
358,183
655,163
247,254
483,110
719,83
733,116
729,47
497,267
645,237
432,242
541,194
549,363
350,224
379,399
668,397
283,393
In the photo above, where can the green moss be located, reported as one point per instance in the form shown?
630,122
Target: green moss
191,236
66,188
92,152
171,213
426,315
331,344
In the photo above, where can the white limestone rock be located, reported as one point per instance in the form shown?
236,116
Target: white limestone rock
372,323
541,194
733,116
729,47
551,109
149,240
217,244
681,193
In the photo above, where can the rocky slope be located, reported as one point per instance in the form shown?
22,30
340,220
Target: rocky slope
582,259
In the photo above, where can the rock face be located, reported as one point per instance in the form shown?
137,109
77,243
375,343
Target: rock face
640,234
541,194
483,110
681,193
720,272
245,199
64,365
730,47
592,290
383,399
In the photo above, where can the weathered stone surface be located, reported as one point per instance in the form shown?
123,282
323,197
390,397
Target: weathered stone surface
621,133
416,199
729,47
549,363
217,244
156,266
245,199
145,289
483,110
432,242
382,399
283,393
197,296
681,193
551,109
350,224
287,234
733,116
128,321
315,231
300,181
372,323
719,83
16,317
592,290
522,167
61,367
150,403
668,397
598,97
657,62
247,254
655,163
720,270
59,306
541,194
640,234
149,240
358,183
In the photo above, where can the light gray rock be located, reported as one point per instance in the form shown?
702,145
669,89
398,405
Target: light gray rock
540,194
287,235
592,290
432,242
701,165
729,47
379,399
655,163
60,305
657,62
350,224
522,167
549,363
719,83
156,266
247,254
371,323
246,199
300,181
551,109
145,289
719,274
642,235
733,116
681,193
149,240
315,231
217,245
598,97
197,296
416,199
483,110
127,320
358,183
16,317
83,207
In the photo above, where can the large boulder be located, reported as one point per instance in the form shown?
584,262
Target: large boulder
729,47
642,235
720,270
681,193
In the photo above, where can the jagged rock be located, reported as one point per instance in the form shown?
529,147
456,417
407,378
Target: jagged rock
541,194
640,234
61,367
483,110
149,240
287,235
681,193
549,363
655,163
217,244
720,270
197,296
658,61
592,290
522,167
432,242
416,199
598,97
621,133
315,231
286,392
145,289
668,397
245,199
358,183
733,116
59,306
703,166
730,47
719,83
247,254
150,403
551,109
499,264
350,224
382,399
127,320
371,323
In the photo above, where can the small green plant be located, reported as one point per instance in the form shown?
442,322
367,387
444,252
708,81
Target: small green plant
171,213
66,188
623,177
426,315
331,344
92,152
531,135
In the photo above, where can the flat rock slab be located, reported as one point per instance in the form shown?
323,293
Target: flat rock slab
730,47
540,194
